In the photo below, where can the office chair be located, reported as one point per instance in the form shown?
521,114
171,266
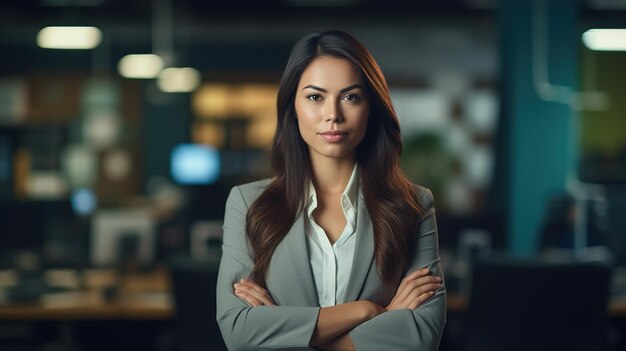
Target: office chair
194,284
516,305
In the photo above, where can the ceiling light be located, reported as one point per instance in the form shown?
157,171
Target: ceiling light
69,37
605,39
141,66
179,79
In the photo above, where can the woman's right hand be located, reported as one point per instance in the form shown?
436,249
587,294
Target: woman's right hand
414,289
253,293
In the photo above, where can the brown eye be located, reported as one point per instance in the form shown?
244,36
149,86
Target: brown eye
314,97
351,97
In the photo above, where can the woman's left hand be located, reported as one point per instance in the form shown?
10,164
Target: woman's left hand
253,293
415,289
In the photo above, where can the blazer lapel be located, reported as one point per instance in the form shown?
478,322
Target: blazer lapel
295,242
363,251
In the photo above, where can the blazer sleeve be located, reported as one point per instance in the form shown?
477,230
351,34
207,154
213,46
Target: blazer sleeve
244,327
405,329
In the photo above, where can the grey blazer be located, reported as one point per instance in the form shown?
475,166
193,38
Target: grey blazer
289,280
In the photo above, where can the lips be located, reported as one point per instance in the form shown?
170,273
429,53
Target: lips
334,132
334,136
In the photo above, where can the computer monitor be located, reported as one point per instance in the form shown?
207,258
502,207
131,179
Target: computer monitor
206,239
121,234
194,164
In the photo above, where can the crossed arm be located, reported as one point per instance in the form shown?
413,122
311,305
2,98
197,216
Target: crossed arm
334,322
412,318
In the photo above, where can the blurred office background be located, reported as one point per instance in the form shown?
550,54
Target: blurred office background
120,142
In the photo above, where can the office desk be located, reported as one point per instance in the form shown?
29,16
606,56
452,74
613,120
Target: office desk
147,296
160,307
140,296
129,308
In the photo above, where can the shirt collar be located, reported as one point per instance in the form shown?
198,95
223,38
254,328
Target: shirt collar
348,197
351,192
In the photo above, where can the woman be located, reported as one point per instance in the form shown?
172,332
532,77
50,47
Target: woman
338,251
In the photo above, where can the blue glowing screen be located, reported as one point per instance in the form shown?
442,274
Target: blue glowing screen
195,164
84,201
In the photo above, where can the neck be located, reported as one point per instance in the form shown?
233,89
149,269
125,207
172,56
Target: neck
330,175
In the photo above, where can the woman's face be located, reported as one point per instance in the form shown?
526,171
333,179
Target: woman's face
332,108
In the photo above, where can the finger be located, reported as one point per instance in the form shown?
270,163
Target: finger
260,290
250,299
424,289
418,291
416,297
267,301
256,290
420,299
413,275
416,283
259,295
410,277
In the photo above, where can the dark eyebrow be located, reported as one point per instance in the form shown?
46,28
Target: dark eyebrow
346,89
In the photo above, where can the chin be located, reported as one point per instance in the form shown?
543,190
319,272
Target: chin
338,154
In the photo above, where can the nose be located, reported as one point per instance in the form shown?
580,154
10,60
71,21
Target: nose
332,113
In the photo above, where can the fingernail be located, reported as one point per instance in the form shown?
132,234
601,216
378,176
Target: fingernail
438,279
242,280
425,270
237,285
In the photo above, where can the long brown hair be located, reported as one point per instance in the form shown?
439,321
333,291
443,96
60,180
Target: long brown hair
389,196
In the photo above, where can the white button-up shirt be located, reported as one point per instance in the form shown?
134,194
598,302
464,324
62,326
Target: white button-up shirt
331,264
